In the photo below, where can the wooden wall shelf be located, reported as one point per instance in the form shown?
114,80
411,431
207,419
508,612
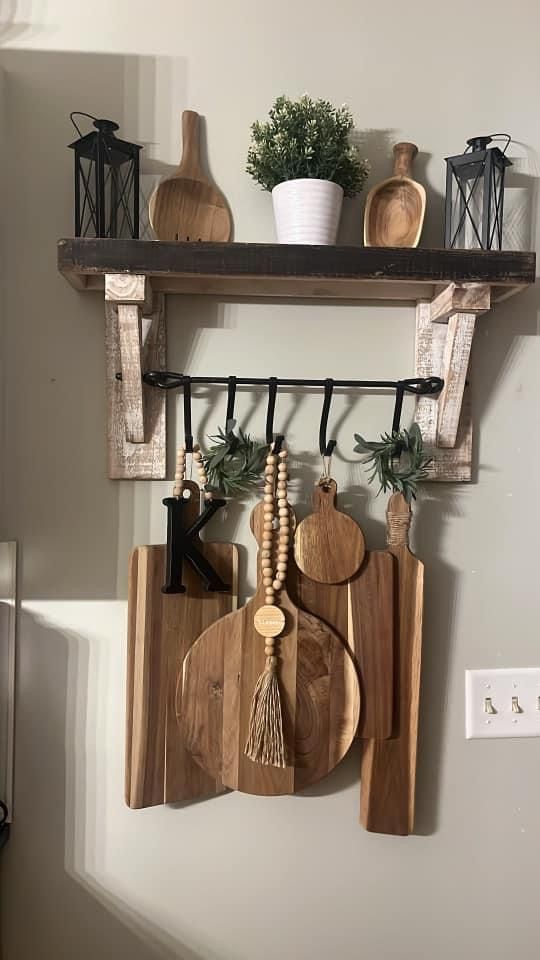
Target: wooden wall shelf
277,270
449,289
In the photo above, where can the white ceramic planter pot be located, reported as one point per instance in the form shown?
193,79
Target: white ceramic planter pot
307,211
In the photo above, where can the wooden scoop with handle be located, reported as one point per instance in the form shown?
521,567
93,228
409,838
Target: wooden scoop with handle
395,208
320,696
187,206
388,771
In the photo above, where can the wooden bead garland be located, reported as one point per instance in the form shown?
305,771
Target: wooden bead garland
265,742
180,472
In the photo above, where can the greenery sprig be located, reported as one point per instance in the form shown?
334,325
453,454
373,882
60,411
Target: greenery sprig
235,462
306,138
398,461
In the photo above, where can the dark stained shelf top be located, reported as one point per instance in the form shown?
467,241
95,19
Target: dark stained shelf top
256,270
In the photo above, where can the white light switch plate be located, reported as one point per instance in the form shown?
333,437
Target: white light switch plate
501,687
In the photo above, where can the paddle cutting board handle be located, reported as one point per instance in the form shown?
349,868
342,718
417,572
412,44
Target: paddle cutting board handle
190,165
398,521
324,495
404,154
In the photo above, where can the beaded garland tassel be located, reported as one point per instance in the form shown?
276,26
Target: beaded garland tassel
265,743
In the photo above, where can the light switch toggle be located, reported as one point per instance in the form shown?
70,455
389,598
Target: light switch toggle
515,705
488,705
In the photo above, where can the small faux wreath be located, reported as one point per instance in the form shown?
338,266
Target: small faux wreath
398,461
235,462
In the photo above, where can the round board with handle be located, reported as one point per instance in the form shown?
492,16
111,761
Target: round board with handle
320,694
328,546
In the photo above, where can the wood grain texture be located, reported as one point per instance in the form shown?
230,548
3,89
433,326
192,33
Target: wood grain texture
328,545
126,288
297,270
371,615
455,365
460,298
187,206
361,613
451,464
161,629
395,209
388,771
129,339
319,691
126,460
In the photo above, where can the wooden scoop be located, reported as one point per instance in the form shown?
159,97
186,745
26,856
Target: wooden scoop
320,696
187,206
395,208
328,546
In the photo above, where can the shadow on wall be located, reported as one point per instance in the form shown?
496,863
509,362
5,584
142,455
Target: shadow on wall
71,916
76,526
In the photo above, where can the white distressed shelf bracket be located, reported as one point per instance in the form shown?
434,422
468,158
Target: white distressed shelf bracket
135,337
444,334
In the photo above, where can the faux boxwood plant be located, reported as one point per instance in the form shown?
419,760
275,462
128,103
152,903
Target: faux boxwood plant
308,139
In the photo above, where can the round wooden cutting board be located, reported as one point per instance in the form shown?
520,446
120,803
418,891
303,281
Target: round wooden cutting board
320,697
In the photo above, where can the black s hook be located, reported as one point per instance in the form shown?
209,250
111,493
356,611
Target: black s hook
272,394
231,397
188,432
326,447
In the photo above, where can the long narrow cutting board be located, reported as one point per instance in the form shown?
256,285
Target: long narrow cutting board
388,770
161,629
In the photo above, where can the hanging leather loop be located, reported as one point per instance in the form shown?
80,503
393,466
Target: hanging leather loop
326,447
231,397
188,433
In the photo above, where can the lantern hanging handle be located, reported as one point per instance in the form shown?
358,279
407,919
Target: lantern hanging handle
80,113
489,139
502,136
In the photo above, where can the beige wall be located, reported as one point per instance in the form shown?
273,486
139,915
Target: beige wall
239,878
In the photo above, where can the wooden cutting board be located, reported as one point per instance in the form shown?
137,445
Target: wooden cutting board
395,208
388,770
361,612
328,545
319,692
187,206
161,629
371,616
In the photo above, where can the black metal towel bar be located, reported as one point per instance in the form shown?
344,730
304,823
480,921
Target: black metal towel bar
169,380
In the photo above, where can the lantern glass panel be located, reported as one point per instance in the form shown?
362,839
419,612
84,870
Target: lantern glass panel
468,192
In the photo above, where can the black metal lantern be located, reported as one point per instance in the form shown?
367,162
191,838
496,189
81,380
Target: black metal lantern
475,195
106,182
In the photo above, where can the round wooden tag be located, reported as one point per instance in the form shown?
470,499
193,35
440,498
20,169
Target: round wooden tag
269,620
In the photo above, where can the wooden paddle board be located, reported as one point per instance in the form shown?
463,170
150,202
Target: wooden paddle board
388,770
161,629
319,687
328,545
188,206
